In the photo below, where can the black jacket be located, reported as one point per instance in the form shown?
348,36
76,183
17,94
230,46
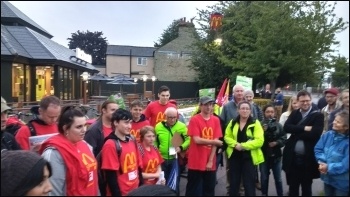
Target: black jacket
94,136
274,133
310,139
8,141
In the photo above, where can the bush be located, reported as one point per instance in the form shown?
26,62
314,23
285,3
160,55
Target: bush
262,102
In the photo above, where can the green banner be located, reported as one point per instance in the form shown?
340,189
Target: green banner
207,92
246,82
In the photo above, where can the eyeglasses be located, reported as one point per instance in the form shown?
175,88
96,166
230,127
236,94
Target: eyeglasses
171,117
305,101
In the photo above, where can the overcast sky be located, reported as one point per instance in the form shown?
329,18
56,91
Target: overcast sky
132,23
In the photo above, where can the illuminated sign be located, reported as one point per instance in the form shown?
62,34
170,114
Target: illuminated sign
82,55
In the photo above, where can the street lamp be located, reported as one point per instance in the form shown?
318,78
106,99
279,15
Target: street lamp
218,41
135,80
153,80
144,78
85,77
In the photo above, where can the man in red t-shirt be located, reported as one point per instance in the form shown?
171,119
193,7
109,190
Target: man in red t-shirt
205,131
123,172
49,111
102,127
138,119
155,110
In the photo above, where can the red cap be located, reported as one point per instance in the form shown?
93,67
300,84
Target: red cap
173,102
332,91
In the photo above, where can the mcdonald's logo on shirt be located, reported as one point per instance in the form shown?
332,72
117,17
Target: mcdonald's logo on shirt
160,117
89,162
207,133
135,133
129,162
152,165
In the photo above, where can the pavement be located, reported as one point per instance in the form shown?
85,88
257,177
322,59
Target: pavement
220,189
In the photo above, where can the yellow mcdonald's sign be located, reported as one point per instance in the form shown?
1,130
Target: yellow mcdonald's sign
89,162
129,162
207,133
152,165
160,117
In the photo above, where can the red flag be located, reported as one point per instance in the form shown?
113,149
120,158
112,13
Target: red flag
225,98
220,97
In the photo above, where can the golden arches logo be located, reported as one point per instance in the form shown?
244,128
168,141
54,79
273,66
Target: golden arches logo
207,133
152,165
89,162
135,133
215,21
129,162
160,117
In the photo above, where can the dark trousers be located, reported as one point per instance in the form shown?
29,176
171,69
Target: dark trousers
200,183
167,166
242,168
299,176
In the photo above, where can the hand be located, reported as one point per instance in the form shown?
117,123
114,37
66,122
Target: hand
218,142
162,182
238,147
272,144
308,128
219,150
265,127
209,165
178,149
323,168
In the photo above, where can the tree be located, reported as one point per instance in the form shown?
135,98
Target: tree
92,43
278,41
340,77
169,34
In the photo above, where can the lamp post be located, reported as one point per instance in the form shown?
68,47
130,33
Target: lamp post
218,41
135,80
153,80
144,78
85,77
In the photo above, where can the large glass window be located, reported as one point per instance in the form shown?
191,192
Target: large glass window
67,81
43,83
18,82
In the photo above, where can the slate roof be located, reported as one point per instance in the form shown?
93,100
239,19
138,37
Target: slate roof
122,50
11,14
25,42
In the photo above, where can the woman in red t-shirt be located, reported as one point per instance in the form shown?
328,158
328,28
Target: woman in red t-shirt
151,158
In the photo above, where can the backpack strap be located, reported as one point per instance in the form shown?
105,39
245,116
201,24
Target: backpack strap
31,128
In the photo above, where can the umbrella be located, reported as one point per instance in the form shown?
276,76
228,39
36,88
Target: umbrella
121,82
98,78
122,77
174,174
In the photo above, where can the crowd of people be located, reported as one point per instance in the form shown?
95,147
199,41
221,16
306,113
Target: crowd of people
136,151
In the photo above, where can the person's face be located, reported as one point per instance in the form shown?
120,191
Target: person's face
148,138
267,87
304,103
244,110
110,108
295,104
77,130
331,99
207,108
164,97
136,112
338,125
51,114
278,90
123,126
44,187
238,93
249,98
269,113
171,118
4,117
345,99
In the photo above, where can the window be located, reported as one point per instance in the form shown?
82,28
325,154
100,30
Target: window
18,82
142,61
44,82
173,55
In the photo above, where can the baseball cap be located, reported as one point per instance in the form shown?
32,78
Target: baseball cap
330,90
4,106
205,100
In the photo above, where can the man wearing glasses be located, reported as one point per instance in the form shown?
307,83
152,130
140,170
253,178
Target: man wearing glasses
165,131
305,126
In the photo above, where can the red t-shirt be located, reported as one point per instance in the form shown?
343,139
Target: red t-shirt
198,155
155,112
151,160
22,137
106,131
135,128
129,163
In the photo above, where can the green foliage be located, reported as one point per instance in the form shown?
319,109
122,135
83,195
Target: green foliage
92,43
340,78
168,35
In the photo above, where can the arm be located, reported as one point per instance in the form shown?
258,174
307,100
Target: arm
202,141
316,128
258,140
91,140
22,137
339,167
281,136
146,175
209,165
58,178
283,118
111,178
229,139
290,124
186,143
319,149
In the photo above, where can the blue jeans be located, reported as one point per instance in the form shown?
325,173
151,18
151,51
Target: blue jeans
332,191
276,166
